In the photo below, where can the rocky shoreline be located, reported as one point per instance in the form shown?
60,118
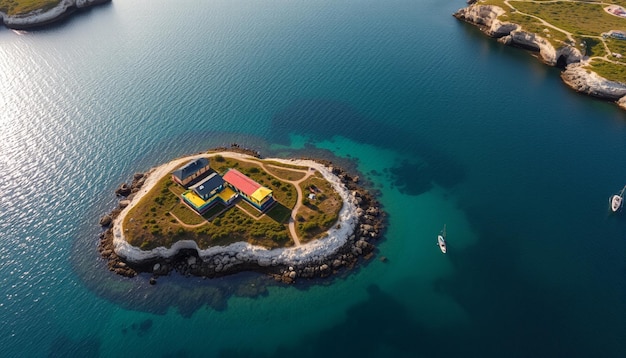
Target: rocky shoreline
362,224
582,80
43,17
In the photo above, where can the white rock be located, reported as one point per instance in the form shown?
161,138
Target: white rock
588,82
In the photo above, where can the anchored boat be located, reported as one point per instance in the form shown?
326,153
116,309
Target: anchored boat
617,200
441,239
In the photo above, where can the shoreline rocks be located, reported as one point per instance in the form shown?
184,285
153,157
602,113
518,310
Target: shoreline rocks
582,80
364,225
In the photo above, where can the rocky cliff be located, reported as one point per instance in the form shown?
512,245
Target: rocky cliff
43,17
588,82
485,17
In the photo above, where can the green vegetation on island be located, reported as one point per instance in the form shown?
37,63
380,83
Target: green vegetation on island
161,217
23,7
585,25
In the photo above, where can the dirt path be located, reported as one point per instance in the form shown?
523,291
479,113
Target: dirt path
189,226
544,22
292,221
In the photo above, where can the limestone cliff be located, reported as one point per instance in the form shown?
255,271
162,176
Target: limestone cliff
588,82
486,18
547,52
41,17
575,75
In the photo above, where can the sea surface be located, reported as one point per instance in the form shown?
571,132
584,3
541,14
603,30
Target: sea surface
445,125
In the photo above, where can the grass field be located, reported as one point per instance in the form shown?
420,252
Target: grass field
161,218
608,70
579,18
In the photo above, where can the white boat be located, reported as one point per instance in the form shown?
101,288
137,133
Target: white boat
617,200
441,239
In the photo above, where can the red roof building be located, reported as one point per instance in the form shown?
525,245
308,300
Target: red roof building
241,182
256,194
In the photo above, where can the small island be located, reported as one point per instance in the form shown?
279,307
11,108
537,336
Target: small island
227,211
586,38
24,14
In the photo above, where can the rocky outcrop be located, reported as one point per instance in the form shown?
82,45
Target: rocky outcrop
486,18
588,82
622,102
569,54
46,16
575,75
547,52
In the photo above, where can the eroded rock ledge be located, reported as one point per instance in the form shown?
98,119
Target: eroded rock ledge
582,80
361,222
43,17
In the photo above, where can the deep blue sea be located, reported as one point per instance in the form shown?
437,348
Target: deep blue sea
447,125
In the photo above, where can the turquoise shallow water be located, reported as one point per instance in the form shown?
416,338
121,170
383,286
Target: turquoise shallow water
447,125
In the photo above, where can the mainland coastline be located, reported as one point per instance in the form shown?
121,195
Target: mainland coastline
486,16
578,73
360,222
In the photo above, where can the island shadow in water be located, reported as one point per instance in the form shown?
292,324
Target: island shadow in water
322,119
377,327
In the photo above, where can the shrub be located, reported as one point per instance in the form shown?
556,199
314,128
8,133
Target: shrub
310,226
278,237
218,158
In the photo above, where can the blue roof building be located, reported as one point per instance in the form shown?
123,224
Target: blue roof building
208,186
191,171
